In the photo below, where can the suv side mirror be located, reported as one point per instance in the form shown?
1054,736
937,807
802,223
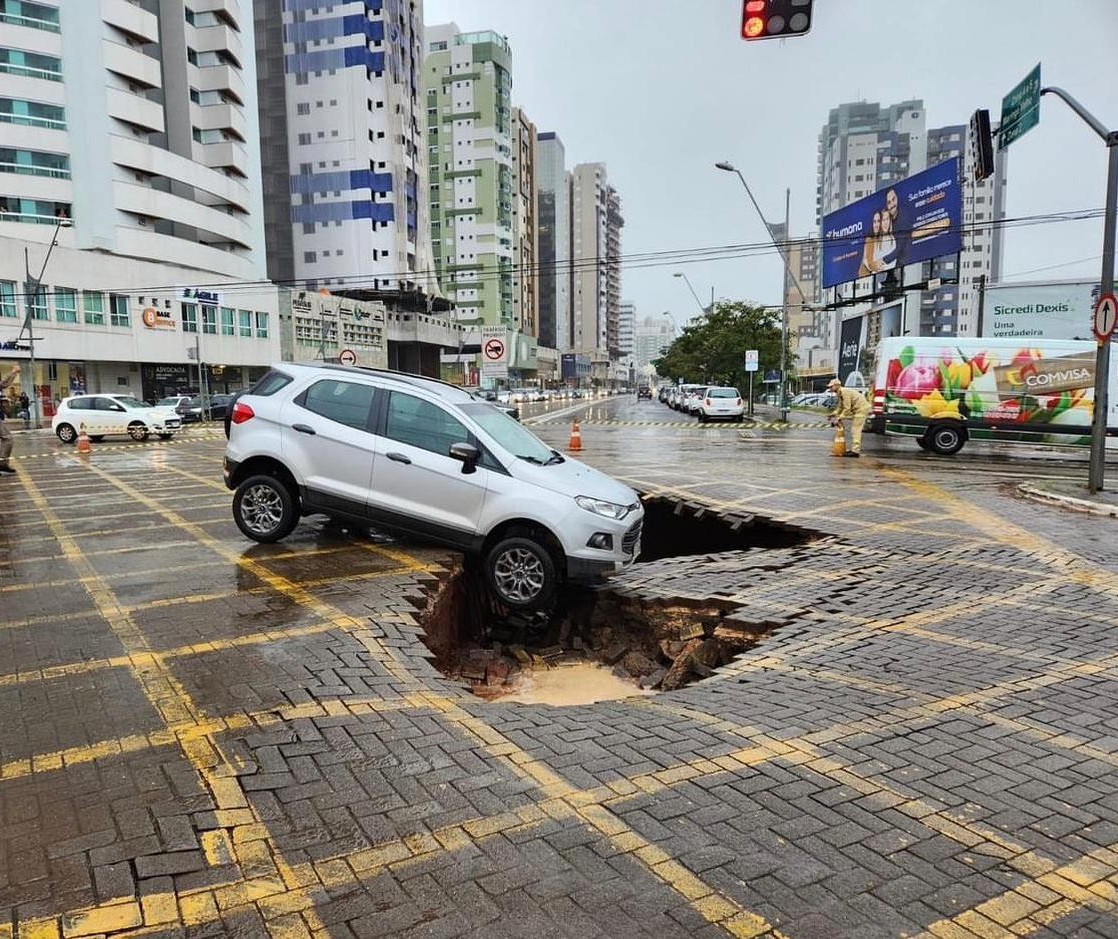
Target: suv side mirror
468,454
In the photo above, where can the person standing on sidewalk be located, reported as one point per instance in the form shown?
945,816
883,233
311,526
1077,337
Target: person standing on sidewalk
851,410
5,433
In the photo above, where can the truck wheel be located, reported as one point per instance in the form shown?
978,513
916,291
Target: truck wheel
945,439
521,573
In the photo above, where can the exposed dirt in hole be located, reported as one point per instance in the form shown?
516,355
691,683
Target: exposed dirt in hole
647,644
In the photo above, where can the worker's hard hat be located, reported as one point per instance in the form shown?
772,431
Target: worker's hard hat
834,383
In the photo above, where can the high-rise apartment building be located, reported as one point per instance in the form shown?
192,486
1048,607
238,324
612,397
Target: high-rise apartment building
596,223
525,235
651,337
468,83
626,324
802,286
865,147
343,129
554,184
130,140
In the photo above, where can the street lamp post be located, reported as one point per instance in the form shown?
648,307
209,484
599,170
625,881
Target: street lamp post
32,303
730,168
692,289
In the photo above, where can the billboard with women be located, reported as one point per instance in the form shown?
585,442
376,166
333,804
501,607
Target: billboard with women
914,220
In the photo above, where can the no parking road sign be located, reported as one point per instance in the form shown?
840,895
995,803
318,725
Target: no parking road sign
494,352
1106,316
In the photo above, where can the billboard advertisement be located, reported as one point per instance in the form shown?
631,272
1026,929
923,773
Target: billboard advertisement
1039,310
911,221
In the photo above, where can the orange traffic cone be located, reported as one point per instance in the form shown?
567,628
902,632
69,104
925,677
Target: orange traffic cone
84,445
576,438
838,446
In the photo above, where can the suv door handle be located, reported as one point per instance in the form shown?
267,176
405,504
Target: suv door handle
303,429
399,458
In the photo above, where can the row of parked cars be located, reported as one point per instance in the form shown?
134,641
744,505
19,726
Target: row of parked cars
706,402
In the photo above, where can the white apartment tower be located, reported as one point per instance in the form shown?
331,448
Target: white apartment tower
596,260
129,170
343,126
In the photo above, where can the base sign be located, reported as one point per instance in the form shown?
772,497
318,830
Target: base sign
1106,316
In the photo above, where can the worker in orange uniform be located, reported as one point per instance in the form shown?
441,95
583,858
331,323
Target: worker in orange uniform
851,411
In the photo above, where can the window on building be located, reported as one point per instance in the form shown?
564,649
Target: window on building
261,325
8,299
65,305
119,313
309,257
93,307
209,320
304,139
228,325
189,318
302,108
244,323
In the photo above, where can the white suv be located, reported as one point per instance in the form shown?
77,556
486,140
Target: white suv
424,458
112,414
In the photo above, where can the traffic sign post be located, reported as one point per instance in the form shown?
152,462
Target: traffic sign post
1020,109
1106,316
494,352
751,367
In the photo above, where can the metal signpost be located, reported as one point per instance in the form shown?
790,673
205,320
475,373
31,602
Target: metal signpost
751,367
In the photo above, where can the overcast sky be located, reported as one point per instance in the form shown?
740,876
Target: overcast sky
659,95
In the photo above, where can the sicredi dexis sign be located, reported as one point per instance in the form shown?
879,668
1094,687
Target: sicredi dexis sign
1039,310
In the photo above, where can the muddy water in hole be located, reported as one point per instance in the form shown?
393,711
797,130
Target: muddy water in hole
572,684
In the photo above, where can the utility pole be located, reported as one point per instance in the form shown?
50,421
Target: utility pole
784,309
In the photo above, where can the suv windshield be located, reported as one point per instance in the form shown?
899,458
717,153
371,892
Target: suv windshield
510,434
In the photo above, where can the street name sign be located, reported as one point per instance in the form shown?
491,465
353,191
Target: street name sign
1020,109
1106,316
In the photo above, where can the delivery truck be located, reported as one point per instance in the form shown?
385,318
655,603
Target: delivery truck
947,391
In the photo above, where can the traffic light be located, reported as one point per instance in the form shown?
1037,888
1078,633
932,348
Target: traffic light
981,145
775,19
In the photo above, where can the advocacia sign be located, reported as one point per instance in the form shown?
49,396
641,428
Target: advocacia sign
1039,311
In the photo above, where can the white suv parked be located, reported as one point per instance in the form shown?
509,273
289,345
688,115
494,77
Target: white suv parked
424,458
112,414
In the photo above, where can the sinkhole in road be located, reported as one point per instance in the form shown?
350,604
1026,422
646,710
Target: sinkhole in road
612,641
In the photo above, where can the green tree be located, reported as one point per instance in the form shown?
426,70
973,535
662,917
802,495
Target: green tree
713,349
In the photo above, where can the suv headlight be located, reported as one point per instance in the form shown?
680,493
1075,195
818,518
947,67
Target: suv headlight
601,507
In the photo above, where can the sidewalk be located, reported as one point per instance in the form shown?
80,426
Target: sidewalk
1073,495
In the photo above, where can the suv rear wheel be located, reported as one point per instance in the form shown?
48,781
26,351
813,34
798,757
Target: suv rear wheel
264,509
521,573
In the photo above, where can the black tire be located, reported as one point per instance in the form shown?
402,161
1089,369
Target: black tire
264,509
96,438
138,431
166,436
945,439
521,573
66,433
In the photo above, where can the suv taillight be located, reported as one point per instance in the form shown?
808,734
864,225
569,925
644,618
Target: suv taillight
241,413
878,401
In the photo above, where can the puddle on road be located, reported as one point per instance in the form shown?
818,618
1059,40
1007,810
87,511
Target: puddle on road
571,684
604,643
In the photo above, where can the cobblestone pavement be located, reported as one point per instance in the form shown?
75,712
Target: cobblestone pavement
199,736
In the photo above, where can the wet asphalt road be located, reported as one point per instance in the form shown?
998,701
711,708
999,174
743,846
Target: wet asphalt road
200,736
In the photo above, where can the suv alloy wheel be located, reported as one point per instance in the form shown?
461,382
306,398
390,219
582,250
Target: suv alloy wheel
521,573
264,509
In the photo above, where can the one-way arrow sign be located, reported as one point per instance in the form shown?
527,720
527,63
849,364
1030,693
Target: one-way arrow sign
1106,316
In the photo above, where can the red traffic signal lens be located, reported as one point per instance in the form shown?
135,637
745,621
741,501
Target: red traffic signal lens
753,27
754,6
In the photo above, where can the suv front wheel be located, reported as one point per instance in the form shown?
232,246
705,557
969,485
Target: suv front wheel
521,573
264,509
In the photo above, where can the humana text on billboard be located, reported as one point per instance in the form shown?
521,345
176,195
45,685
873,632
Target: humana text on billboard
914,220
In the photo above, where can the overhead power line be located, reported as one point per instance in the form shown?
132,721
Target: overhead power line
634,261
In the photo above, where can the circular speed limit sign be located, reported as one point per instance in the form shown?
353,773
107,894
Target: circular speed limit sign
347,357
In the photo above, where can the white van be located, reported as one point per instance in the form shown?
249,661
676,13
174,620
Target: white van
946,391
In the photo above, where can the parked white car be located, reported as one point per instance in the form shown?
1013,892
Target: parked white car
720,404
423,458
108,414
